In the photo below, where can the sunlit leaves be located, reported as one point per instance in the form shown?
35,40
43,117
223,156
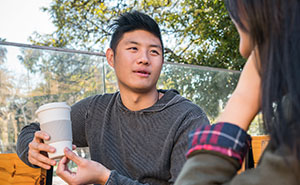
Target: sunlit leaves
196,32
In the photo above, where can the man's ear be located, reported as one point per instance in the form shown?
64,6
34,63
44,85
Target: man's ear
110,57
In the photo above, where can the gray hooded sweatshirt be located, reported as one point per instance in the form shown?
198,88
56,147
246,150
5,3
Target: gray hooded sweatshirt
140,147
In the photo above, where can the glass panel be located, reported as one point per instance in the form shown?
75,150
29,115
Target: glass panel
207,87
31,77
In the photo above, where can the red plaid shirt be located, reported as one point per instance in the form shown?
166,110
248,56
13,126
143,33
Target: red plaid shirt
225,138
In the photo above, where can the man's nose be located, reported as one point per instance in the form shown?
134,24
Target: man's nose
143,59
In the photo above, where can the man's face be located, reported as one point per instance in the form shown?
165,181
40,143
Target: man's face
137,61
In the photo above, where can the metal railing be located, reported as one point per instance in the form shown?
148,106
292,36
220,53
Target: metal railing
33,75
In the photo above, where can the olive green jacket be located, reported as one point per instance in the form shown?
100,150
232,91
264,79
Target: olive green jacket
277,166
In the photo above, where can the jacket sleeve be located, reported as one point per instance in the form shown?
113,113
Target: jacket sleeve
207,165
25,137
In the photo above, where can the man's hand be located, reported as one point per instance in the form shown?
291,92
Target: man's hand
37,154
37,151
88,172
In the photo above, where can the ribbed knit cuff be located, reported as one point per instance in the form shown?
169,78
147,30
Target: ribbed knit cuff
111,178
225,138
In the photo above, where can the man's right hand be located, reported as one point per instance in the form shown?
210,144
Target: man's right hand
37,154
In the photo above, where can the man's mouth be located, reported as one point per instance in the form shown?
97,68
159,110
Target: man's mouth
142,73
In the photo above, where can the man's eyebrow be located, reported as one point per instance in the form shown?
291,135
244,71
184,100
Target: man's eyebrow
155,46
151,45
132,42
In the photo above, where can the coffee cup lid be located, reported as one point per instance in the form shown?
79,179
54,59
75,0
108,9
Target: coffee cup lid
52,106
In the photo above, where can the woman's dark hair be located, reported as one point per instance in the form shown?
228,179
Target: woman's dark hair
132,21
274,26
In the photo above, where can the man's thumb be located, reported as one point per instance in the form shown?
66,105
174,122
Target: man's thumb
72,156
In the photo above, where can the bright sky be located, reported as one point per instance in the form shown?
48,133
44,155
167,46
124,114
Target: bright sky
20,18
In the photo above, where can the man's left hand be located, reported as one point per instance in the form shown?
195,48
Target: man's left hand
88,171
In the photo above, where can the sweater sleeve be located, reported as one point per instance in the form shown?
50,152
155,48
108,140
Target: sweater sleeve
25,137
117,179
78,116
212,161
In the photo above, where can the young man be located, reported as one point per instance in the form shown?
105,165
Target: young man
137,135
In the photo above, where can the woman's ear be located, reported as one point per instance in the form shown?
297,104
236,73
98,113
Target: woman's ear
110,57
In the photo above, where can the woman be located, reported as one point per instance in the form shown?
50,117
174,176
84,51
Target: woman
270,38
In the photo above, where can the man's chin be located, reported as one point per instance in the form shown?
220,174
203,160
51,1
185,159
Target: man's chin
143,89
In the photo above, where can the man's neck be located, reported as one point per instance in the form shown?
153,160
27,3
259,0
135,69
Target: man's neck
137,101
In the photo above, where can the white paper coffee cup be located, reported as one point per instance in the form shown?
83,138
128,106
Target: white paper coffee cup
54,118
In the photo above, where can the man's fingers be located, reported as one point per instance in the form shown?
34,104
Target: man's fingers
35,157
62,169
38,135
74,147
40,164
72,156
41,147
63,163
37,151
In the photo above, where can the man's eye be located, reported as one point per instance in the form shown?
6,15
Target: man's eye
155,52
132,48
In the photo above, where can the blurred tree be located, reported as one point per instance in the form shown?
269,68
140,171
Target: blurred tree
196,32
52,77
4,78
5,84
208,88
63,76
6,117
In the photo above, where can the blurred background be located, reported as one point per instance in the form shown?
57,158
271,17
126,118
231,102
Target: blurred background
52,50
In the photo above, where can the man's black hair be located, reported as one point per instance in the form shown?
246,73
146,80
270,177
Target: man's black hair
132,21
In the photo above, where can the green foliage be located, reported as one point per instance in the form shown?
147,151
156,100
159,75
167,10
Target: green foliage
205,34
196,32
